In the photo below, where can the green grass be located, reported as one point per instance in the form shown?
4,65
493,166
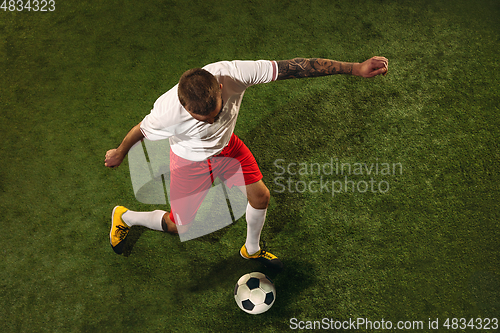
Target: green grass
75,80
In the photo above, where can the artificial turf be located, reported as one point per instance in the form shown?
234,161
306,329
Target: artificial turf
75,80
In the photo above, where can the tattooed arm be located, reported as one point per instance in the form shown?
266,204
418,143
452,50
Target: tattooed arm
300,67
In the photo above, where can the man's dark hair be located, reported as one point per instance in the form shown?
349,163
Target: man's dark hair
198,91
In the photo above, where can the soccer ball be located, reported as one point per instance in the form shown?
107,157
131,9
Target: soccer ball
254,293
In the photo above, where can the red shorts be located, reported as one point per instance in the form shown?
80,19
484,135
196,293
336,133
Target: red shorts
190,181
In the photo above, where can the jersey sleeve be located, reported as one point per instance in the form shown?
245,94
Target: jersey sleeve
256,72
248,72
153,130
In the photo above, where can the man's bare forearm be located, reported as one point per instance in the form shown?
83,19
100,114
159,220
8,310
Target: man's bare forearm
114,157
133,136
301,67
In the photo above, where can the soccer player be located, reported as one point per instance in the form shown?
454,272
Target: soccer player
198,116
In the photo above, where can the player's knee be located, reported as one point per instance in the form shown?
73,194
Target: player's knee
168,225
267,197
181,229
261,201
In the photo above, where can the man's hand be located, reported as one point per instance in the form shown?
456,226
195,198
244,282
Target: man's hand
371,67
113,158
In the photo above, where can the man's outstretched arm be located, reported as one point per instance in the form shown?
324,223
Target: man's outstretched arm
301,67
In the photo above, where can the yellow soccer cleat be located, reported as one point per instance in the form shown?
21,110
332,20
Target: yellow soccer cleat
264,257
119,229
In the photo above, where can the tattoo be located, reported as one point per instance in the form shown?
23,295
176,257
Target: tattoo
300,67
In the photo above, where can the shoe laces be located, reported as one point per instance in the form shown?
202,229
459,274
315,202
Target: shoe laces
263,252
122,231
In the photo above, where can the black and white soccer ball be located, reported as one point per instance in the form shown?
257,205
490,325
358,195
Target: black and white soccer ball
254,293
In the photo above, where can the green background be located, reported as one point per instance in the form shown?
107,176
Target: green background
75,80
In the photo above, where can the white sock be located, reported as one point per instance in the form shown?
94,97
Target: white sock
255,222
151,220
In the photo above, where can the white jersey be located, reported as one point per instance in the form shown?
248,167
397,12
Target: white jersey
195,140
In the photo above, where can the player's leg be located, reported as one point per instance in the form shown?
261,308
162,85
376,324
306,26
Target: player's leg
245,174
258,199
189,184
158,220
151,220
122,219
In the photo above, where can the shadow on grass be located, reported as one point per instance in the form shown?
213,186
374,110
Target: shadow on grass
133,236
297,276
